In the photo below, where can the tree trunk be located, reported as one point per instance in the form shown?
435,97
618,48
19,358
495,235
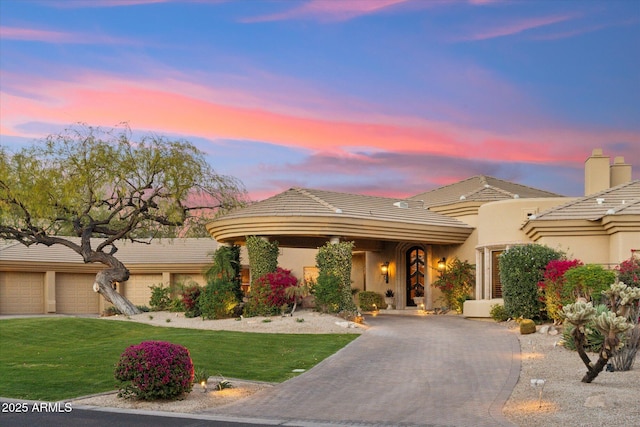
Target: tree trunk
104,286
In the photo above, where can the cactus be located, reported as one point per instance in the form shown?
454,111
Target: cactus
527,326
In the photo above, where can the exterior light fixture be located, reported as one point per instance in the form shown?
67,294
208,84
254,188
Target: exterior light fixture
203,384
384,268
442,264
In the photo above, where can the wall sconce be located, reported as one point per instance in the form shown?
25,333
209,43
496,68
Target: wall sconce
384,268
442,264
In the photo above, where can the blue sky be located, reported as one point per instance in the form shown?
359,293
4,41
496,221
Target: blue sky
383,97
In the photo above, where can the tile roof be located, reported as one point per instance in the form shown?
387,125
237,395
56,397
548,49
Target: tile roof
300,202
164,251
479,188
621,200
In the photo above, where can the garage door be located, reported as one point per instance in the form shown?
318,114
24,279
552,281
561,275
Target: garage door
137,288
74,294
21,293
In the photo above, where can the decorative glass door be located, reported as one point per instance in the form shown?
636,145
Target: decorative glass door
415,274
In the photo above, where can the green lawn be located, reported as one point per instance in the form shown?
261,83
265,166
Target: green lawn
60,358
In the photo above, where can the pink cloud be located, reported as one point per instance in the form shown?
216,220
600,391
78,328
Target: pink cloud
101,3
106,101
518,27
49,36
330,10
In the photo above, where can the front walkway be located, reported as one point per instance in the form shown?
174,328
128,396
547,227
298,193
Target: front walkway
404,371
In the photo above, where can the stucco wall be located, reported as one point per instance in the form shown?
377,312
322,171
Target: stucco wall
501,222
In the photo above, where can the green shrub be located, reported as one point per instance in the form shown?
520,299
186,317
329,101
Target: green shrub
226,266
327,293
190,295
456,282
218,299
336,259
521,268
370,301
498,313
586,281
154,370
263,257
160,298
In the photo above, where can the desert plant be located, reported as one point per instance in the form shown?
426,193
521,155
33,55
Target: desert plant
200,375
160,298
456,282
625,301
498,313
552,285
521,269
607,322
298,292
154,370
218,299
370,301
586,281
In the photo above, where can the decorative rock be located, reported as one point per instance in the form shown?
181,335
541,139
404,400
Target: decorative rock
527,326
553,331
544,329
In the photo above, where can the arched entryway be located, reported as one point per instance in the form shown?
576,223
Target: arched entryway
415,274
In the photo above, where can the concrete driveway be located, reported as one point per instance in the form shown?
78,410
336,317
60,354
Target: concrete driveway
404,371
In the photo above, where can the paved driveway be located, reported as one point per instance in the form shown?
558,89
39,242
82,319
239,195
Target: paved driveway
405,370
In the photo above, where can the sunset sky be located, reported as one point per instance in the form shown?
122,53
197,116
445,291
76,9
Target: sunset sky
380,97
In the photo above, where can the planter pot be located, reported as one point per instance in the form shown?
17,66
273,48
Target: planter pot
419,302
390,301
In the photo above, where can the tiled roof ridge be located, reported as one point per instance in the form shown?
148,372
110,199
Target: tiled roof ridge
315,198
10,244
522,185
594,196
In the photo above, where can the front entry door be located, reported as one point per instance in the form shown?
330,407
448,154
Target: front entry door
415,273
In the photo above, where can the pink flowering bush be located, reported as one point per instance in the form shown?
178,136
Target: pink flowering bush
268,294
629,271
154,370
552,284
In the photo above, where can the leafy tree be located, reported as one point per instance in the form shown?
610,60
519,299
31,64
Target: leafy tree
101,186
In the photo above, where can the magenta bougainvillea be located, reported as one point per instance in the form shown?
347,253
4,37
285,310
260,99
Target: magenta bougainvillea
155,370
280,280
551,286
268,295
629,271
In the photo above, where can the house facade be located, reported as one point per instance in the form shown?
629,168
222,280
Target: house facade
398,243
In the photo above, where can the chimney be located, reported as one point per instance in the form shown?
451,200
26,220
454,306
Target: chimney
620,171
596,172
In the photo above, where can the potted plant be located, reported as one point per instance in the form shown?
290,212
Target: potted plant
418,296
389,299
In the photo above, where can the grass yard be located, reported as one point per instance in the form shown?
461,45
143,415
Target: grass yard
59,358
